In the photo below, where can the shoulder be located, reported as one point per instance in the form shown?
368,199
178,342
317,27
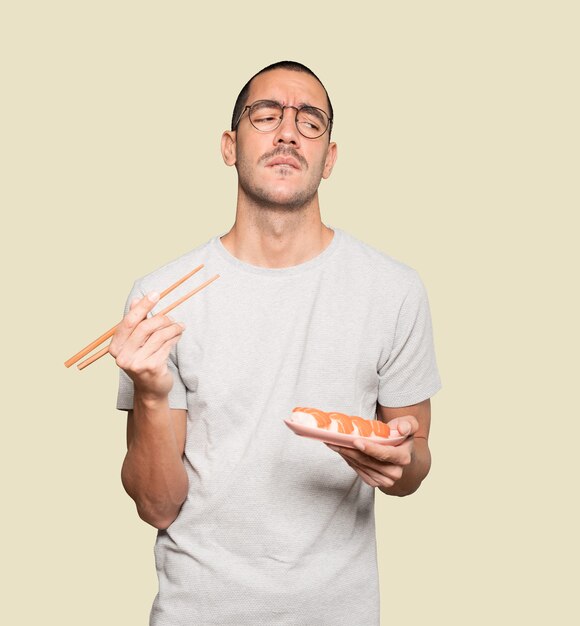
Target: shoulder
170,272
377,266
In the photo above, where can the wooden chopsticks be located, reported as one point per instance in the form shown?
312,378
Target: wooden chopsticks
111,331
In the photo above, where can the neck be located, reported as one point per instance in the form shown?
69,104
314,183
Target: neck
277,237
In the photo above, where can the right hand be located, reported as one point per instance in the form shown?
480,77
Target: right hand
141,346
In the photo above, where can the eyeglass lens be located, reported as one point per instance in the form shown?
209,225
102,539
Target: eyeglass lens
266,115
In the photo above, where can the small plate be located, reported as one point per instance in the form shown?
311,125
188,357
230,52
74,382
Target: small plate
341,439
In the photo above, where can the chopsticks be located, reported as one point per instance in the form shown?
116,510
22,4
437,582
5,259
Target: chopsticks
111,331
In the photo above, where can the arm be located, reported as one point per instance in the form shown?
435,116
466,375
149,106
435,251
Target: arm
418,444
153,473
395,470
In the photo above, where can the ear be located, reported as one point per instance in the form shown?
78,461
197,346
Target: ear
229,147
330,159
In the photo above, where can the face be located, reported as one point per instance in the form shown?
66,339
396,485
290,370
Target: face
281,168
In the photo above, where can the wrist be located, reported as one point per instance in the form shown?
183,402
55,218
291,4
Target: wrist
151,401
415,472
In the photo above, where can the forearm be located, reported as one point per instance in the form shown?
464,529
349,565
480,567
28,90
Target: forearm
153,473
414,473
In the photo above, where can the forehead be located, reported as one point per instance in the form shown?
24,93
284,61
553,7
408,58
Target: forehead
288,87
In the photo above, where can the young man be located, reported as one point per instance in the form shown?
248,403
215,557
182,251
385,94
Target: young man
257,525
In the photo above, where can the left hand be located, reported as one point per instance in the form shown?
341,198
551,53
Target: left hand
379,465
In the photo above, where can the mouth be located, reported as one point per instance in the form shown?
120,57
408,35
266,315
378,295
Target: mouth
285,162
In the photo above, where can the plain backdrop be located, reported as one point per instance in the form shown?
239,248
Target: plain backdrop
458,132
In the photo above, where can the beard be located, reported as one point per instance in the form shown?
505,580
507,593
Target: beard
275,199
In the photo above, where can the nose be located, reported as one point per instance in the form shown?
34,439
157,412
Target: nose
287,132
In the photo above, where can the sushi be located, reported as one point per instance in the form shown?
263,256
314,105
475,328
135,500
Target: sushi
340,423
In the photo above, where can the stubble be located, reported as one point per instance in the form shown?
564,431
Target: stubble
268,198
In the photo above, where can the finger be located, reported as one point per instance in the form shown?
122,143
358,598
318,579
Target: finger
376,455
147,340
405,425
138,312
385,476
392,470
363,474
374,478
369,465
380,453
371,450
158,339
162,355
156,363
143,332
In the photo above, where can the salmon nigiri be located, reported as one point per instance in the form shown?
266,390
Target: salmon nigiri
340,423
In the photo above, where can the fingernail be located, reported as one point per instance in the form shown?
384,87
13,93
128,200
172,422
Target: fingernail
359,444
153,296
182,325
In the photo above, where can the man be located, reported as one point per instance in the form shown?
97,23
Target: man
257,525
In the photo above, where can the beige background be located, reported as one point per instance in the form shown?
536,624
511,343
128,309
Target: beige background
458,132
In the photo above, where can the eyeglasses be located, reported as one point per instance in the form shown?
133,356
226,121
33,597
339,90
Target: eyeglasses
266,116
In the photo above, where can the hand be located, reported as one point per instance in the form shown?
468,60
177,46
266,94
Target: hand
379,465
141,346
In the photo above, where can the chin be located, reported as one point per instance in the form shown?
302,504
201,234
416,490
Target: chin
287,202
280,199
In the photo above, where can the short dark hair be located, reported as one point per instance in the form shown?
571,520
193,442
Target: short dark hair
280,65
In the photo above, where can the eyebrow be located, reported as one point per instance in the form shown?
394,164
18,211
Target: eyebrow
299,105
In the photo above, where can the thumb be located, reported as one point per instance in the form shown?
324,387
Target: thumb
405,425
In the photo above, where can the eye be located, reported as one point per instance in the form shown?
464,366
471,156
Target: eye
265,113
263,118
310,124
312,119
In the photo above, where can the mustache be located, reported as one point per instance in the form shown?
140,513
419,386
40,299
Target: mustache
283,151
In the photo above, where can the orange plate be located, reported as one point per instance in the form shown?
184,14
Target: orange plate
341,439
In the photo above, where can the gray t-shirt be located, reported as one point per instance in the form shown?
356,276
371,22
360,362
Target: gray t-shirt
277,529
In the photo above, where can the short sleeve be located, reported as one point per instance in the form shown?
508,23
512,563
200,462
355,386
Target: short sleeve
177,395
410,375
